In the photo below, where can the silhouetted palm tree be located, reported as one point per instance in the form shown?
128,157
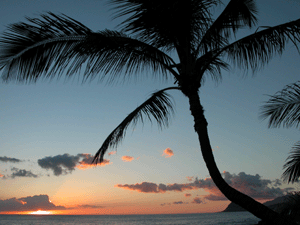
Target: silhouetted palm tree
291,205
283,108
177,39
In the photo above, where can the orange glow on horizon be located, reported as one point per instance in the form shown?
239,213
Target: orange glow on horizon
40,212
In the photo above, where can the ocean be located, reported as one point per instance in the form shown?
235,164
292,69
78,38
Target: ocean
228,218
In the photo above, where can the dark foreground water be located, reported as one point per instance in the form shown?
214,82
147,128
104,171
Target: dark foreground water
232,218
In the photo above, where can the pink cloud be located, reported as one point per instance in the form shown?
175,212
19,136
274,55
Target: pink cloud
190,178
112,153
168,153
1,175
187,195
215,149
126,158
86,162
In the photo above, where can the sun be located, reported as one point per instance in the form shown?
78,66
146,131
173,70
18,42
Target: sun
40,212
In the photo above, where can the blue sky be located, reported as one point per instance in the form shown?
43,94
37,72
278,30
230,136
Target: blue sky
58,117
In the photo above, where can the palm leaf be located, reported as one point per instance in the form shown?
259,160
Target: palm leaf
236,15
165,23
256,50
290,206
158,107
212,65
50,46
284,107
292,166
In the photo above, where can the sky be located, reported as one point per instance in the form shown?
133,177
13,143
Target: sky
51,130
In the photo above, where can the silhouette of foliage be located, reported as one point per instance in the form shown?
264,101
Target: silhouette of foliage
169,39
283,108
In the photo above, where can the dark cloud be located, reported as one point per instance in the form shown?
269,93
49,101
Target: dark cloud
22,173
30,203
60,164
163,204
252,185
187,195
64,164
190,178
90,206
180,203
197,200
148,187
8,159
144,187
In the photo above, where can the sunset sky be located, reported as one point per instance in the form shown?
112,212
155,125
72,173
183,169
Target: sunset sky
51,130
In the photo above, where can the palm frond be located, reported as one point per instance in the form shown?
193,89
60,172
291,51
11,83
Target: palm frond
27,49
292,166
256,50
164,23
291,205
50,46
283,107
236,15
158,107
210,64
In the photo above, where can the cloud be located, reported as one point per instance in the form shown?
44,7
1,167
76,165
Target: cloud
87,160
144,187
8,159
65,164
148,187
30,203
180,203
59,164
126,158
168,153
190,178
252,185
197,200
214,149
175,203
112,153
90,206
187,195
22,173
163,204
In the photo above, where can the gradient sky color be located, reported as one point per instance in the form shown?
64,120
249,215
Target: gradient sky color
49,131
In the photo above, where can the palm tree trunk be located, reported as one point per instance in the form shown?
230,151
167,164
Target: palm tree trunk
249,204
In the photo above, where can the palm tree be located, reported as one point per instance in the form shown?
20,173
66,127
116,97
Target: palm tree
173,39
283,108
290,206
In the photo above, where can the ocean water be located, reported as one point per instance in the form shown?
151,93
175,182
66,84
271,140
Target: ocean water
228,218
